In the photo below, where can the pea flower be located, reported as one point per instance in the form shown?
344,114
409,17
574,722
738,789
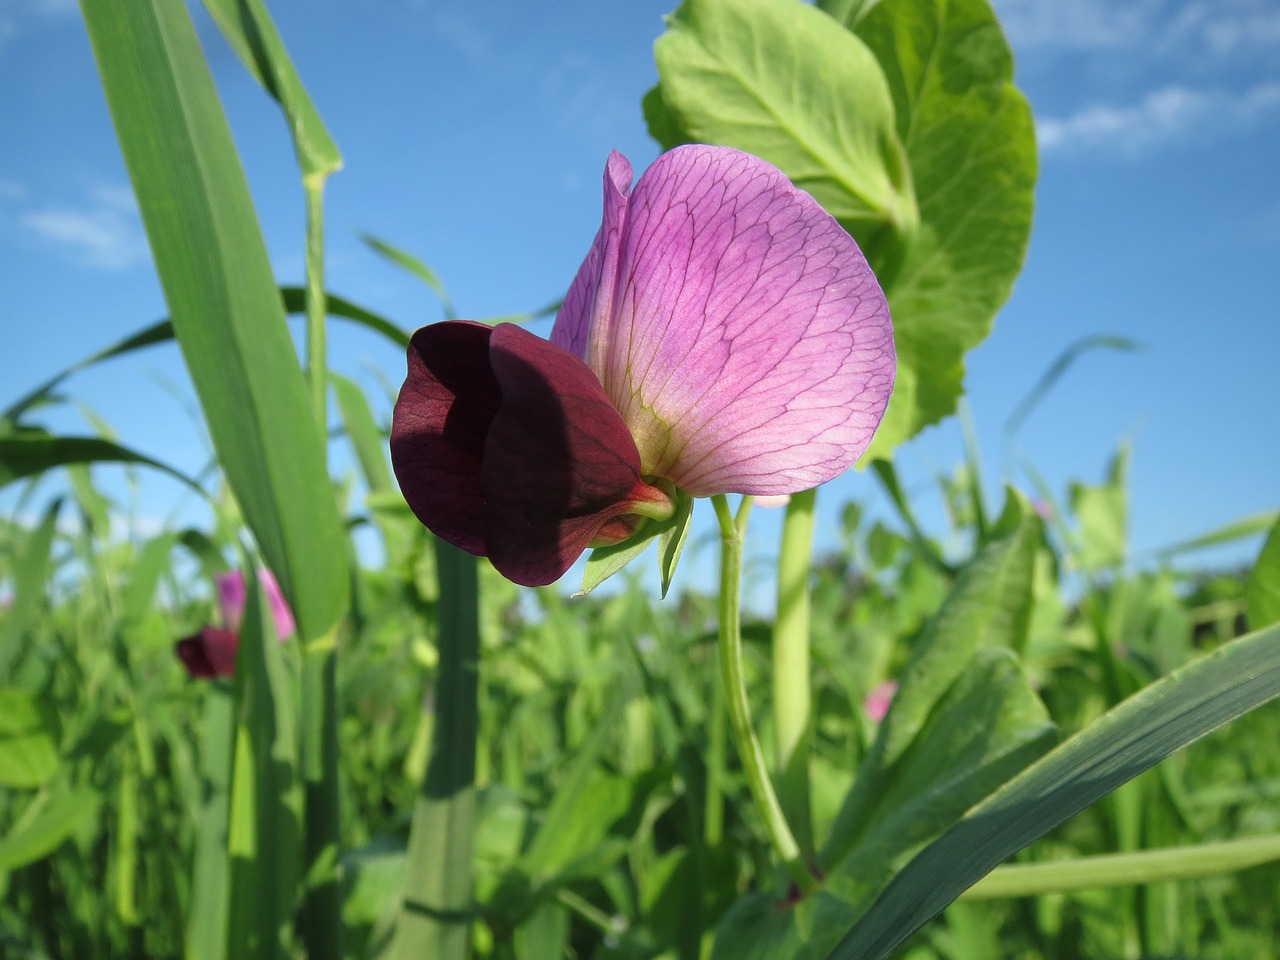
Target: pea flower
879,698
723,335
212,652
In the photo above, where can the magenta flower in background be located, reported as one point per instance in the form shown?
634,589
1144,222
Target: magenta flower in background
724,335
879,698
212,652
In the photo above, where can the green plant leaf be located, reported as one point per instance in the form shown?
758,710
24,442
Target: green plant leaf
773,78
223,301
162,332
1102,515
415,266
28,740
971,146
1262,595
139,592
1130,738
251,33
362,430
1242,529
671,539
45,824
28,453
31,568
264,834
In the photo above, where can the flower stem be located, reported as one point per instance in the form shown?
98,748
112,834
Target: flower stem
732,531
791,675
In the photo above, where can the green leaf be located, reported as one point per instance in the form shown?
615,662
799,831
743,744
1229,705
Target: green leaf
28,453
1126,869
265,819
28,740
250,31
672,537
162,332
152,560
223,300
984,729
671,533
206,933
989,605
1102,514
362,430
971,146
30,580
544,935
416,267
586,803
45,824
773,78
1130,738
1241,529
1262,595
1058,368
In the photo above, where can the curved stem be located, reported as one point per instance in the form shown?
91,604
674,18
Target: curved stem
792,705
783,841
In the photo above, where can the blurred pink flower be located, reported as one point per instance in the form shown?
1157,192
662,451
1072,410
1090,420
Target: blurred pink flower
212,652
879,698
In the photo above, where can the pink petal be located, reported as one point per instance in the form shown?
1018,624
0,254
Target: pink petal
879,698
748,345
591,293
280,611
231,599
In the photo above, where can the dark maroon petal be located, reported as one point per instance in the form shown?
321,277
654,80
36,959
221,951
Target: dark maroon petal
559,461
209,653
438,430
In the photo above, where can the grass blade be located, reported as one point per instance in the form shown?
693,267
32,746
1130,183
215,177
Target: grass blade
1132,737
223,300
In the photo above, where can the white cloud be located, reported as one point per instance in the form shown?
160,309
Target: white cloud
105,233
1166,116
1220,30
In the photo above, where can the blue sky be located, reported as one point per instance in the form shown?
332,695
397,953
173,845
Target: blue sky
475,136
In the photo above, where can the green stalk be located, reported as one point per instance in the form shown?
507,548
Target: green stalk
321,924
317,365
1110,870
732,532
791,689
436,915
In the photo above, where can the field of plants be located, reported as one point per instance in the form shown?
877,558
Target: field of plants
994,736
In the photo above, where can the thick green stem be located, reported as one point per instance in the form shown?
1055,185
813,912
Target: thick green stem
436,915
791,687
732,531
322,904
